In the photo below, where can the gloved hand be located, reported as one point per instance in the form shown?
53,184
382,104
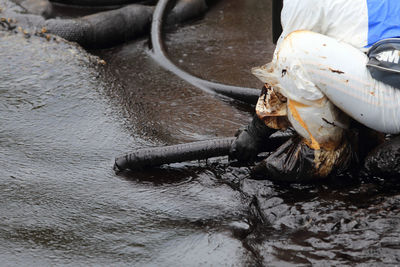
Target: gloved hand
249,142
244,148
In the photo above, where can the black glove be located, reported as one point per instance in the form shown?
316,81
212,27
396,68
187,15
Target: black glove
250,141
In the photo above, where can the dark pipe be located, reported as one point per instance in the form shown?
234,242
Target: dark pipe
99,30
277,6
156,156
106,28
103,29
247,95
97,2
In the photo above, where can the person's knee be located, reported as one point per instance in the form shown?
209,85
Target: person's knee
299,43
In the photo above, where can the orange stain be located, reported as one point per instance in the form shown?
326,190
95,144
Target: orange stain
292,107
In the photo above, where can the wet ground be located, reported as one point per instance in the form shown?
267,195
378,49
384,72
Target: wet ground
65,117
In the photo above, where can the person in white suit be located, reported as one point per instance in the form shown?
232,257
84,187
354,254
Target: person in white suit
321,74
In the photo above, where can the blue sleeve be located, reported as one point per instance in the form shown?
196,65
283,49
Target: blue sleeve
383,20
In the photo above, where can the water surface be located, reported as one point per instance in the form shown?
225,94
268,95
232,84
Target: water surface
65,117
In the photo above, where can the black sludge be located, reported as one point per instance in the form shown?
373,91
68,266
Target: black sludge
61,129
384,161
156,156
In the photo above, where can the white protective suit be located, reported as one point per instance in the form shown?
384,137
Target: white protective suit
320,64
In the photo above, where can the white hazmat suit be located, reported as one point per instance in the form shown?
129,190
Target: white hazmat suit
319,67
319,61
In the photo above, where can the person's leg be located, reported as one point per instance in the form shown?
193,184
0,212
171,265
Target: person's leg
316,73
308,66
322,125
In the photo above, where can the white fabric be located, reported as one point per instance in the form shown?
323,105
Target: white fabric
308,62
344,20
319,56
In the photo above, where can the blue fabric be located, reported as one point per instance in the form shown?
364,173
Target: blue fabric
383,20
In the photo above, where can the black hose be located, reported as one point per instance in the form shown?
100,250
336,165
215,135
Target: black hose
156,156
98,30
103,29
106,28
248,95
94,3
